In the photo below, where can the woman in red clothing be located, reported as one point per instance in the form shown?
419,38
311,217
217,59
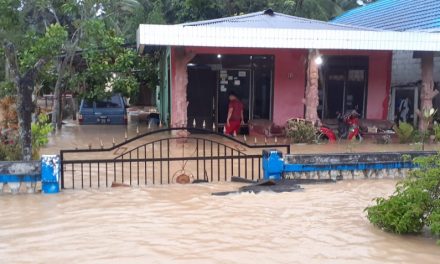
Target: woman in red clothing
235,115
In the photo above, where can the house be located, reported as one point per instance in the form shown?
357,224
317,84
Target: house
402,16
272,61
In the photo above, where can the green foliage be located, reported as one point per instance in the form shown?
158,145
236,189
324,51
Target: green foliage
419,136
9,18
436,129
46,46
10,152
415,204
7,89
40,131
405,132
300,131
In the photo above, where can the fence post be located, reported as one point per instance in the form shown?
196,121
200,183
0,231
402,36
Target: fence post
273,164
50,173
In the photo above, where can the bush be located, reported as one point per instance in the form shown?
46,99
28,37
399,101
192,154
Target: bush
405,132
436,129
10,149
415,204
300,131
40,132
8,113
7,89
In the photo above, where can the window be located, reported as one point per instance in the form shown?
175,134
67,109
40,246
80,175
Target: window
113,102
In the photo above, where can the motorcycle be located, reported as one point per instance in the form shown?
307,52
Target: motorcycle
348,128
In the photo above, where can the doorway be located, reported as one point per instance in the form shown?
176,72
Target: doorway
405,101
344,87
238,82
212,77
201,96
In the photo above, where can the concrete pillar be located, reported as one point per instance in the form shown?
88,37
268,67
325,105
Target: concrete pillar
50,173
427,93
180,81
311,99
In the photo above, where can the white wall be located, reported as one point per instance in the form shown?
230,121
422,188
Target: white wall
407,70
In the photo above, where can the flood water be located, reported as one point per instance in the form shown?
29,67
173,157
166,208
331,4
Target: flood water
74,136
185,224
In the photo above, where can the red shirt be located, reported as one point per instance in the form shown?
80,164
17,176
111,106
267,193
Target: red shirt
237,108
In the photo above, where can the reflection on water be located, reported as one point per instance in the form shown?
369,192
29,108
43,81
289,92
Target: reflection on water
185,224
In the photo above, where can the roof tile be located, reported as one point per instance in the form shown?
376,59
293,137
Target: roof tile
398,15
272,20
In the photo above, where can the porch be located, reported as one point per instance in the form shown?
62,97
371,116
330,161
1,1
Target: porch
268,59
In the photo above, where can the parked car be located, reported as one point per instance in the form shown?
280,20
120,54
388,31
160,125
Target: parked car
108,111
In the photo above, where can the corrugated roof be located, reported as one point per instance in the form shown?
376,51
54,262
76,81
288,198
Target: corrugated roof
398,15
270,19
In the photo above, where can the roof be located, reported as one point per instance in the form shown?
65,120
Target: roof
268,29
397,15
271,19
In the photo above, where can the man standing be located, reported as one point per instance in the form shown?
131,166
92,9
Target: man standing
404,109
235,115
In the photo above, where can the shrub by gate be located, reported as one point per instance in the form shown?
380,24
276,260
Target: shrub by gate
159,157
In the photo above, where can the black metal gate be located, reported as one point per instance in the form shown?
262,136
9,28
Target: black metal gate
161,156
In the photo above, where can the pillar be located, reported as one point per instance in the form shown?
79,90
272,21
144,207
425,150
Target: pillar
311,99
428,92
180,81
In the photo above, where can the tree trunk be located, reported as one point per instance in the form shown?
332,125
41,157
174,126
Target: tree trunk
179,115
311,99
25,107
62,66
25,85
56,108
428,92
7,69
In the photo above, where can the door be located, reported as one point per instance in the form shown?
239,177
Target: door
262,87
355,91
201,96
335,84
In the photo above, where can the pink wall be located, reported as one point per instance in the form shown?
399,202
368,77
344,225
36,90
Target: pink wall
289,78
379,80
379,85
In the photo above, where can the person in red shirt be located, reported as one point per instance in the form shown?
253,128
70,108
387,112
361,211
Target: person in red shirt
235,115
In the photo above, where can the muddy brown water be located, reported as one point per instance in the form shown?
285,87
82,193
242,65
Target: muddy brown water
185,224
74,136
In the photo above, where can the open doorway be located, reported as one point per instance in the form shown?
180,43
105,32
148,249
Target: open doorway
344,87
212,77
201,95
405,101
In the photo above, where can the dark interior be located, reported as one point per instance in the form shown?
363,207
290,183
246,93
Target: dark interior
212,77
344,85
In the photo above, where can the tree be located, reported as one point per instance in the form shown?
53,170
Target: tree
24,70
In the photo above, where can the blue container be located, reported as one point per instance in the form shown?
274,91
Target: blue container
273,164
50,173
